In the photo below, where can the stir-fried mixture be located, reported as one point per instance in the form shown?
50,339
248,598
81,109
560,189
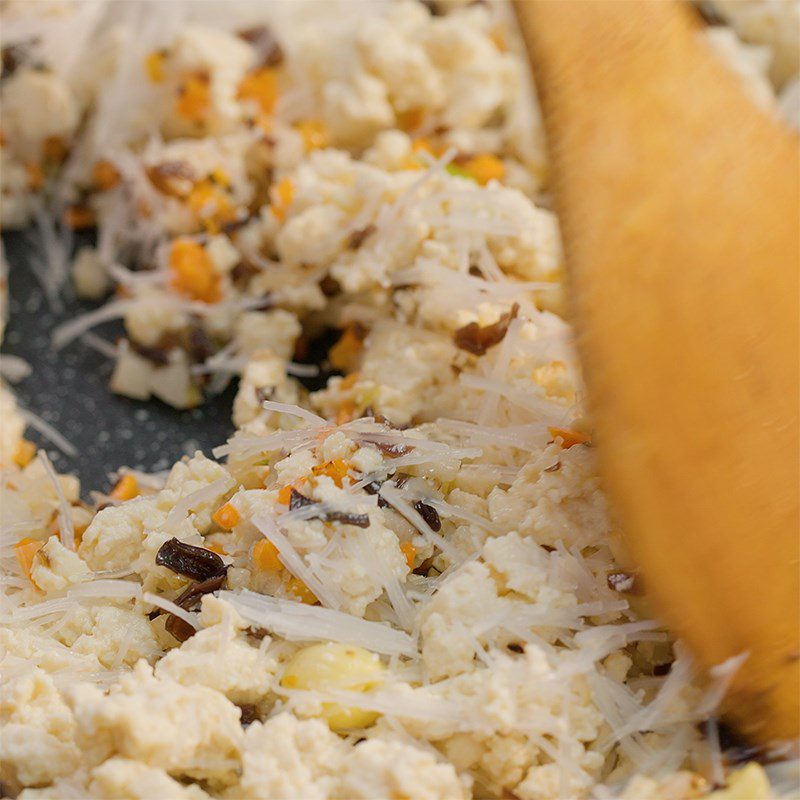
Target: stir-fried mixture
398,578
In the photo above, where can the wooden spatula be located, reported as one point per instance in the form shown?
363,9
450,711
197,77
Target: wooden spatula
680,213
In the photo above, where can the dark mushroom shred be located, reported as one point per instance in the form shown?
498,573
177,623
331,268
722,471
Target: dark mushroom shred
157,355
736,750
553,467
243,272
357,238
330,287
374,488
393,450
188,600
199,345
179,628
194,592
359,520
249,714
267,47
429,514
424,567
173,178
13,56
709,14
477,339
298,500
193,562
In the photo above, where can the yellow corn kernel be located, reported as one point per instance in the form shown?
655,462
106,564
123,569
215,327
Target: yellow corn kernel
485,168
265,556
24,453
409,551
226,517
336,469
569,438
193,271
314,132
127,487
105,175
301,592
748,783
154,66
281,197
194,97
336,666
261,87
25,550
212,205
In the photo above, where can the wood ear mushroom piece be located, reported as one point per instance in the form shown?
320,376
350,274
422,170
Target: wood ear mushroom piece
680,212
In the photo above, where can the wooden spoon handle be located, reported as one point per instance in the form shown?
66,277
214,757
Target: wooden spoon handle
679,206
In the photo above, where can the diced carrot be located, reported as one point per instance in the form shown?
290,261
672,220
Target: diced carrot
79,218
212,205
350,381
54,148
336,470
285,494
25,550
35,176
409,551
194,97
218,175
281,197
314,132
345,353
485,168
24,453
410,120
302,592
265,556
216,548
127,488
423,145
226,516
346,412
154,66
193,271
105,175
569,438
260,86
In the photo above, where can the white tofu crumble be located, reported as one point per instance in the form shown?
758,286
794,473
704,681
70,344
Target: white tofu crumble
403,582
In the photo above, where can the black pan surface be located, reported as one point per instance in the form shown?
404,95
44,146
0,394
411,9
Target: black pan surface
69,389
